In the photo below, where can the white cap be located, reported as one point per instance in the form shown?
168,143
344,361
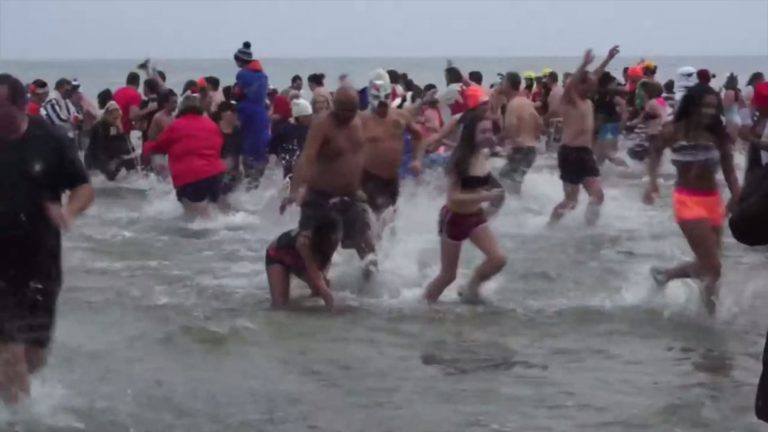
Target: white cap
380,75
300,108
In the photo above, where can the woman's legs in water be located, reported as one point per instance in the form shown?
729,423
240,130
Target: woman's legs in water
704,241
450,251
495,260
279,285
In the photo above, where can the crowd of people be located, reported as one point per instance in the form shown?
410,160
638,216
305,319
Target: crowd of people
344,153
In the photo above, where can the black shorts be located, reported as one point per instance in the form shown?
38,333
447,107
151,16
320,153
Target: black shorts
207,189
576,164
29,289
381,193
519,161
335,212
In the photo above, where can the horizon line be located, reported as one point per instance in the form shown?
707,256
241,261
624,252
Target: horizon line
407,57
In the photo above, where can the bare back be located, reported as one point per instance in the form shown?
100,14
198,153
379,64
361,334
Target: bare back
554,101
336,158
384,142
578,122
523,124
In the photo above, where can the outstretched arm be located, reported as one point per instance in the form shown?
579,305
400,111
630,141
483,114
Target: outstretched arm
570,87
612,53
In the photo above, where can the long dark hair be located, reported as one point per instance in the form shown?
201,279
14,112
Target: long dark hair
691,104
458,163
325,239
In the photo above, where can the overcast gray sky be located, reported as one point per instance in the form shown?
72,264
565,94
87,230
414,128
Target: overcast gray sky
55,29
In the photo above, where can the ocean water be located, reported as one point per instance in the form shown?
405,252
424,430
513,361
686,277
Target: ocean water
164,325
100,74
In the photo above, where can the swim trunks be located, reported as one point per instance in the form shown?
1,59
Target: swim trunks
347,212
519,161
576,164
458,227
207,189
696,205
381,193
609,131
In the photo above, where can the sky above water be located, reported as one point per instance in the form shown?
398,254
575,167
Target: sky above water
117,29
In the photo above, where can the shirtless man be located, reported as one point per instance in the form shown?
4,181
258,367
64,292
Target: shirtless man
328,175
553,119
574,157
522,128
167,102
383,131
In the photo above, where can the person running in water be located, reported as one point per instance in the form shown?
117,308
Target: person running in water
700,145
522,128
654,113
251,95
463,216
193,143
610,117
335,144
575,159
167,101
289,140
283,260
37,165
383,130
553,120
231,149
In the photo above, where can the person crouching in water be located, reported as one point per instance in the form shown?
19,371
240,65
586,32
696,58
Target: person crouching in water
284,259
109,150
193,143
463,216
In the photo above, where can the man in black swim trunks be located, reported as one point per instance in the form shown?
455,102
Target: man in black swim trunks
37,164
330,169
575,158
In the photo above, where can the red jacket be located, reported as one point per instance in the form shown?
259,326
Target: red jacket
193,144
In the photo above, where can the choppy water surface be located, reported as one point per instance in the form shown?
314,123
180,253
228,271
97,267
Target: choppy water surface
164,325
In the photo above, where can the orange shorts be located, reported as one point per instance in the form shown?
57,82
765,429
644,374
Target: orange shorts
697,205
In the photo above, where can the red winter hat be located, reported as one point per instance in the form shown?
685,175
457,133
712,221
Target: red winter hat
760,98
